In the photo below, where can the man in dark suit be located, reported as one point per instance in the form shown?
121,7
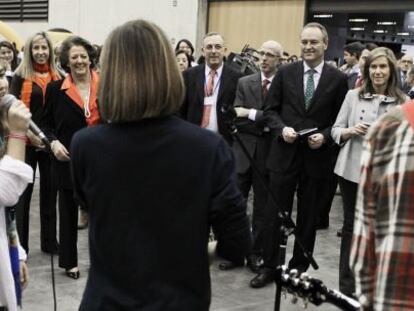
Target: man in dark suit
404,64
249,105
352,53
209,87
303,95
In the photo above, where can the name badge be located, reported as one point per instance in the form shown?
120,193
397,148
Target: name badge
208,101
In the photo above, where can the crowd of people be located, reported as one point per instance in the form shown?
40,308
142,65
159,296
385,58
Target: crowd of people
143,110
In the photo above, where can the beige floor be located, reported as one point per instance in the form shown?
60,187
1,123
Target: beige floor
230,289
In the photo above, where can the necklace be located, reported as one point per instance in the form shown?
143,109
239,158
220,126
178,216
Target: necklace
85,96
86,109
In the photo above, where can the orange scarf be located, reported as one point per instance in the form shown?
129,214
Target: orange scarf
72,91
27,86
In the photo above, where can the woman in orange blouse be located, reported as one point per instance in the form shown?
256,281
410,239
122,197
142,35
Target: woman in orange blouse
29,85
70,106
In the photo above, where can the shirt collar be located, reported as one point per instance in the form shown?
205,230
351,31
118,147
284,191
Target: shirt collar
318,68
382,98
264,78
219,70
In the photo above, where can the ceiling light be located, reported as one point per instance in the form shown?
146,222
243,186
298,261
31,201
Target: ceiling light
387,23
379,31
357,28
322,16
358,20
403,33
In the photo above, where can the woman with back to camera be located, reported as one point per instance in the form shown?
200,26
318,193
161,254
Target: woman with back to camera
14,177
361,107
8,58
29,85
153,184
183,60
70,106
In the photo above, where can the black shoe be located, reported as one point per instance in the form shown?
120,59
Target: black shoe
72,274
228,265
254,262
262,279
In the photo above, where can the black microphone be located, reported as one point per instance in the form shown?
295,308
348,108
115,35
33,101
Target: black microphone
5,104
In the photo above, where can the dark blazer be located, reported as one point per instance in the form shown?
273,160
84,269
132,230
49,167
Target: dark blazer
36,99
352,79
61,119
249,95
286,107
152,191
193,105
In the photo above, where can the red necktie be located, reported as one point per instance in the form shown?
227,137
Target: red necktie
208,91
210,84
265,83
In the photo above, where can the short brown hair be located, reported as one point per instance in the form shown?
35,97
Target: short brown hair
139,76
70,42
321,28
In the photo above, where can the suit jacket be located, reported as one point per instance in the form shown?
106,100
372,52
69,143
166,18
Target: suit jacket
148,235
352,79
193,105
36,98
61,119
249,95
286,107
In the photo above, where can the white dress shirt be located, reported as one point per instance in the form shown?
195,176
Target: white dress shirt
316,75
212,124
253,112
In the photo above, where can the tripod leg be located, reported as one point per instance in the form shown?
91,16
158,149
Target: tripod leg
281,261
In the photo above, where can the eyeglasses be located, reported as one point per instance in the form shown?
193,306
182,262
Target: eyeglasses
407,62
270,55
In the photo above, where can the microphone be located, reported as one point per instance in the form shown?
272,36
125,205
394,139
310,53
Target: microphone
6,102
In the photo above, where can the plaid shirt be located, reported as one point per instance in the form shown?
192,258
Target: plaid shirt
382,255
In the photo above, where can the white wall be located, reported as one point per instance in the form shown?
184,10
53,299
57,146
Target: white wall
94,19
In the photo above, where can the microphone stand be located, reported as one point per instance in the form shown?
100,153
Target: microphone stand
287,227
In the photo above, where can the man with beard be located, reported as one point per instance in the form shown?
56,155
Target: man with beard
249,105
304,95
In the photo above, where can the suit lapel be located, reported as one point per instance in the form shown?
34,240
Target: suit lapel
255,85
322,85
72,93
223,82
300,85
200,83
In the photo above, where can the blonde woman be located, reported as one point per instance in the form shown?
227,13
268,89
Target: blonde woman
29,85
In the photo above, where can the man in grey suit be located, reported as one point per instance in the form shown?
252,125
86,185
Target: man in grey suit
249,106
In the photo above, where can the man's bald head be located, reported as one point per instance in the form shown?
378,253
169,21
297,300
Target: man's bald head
275,46
270,52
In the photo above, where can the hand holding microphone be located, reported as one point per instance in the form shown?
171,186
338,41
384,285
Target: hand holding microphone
6,104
